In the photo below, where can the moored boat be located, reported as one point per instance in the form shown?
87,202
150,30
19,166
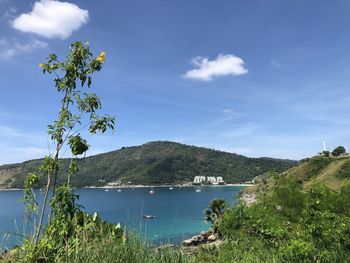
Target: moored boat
149,216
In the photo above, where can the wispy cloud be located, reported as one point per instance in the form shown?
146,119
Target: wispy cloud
223,65
52,19
226,115
9,14
17,145
7,132
243,130
233,113
20,154
274,63
11,48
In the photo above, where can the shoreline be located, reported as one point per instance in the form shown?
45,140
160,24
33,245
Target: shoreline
161,186
139,186
10,189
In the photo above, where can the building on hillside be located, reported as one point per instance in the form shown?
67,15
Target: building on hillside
220,180
198,180
211,180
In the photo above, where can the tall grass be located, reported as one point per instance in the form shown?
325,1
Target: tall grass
132,251
100,248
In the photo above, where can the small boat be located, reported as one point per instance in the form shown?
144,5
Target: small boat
171,188
198,190
152,192
106,190
119,190
149,216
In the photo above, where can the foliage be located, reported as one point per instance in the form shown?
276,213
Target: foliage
316,165
344,171
326,153
338,151
289,225
72,76
29,199
290,198
214,212
155,163
78,110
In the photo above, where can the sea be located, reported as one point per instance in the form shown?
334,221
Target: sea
178,212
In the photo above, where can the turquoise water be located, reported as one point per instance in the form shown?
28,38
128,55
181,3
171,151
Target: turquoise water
179,212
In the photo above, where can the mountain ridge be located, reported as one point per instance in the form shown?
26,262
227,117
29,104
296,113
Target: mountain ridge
155,162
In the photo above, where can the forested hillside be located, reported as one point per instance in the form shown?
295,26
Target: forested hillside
160,162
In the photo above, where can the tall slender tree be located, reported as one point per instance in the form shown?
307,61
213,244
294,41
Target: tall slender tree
78,112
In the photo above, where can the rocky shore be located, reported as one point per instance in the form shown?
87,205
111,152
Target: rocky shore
248,198
205,238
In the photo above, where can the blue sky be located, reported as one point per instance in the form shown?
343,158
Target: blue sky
258,78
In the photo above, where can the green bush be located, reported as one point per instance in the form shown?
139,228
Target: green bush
289,225
316,165
298,251
344,171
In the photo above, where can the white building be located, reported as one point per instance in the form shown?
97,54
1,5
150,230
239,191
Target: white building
209,180
220,180
199,179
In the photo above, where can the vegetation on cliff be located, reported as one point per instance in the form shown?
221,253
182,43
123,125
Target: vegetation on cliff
302,215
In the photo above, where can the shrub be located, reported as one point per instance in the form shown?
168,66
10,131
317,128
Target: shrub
316,165
298,251
338,151
344,171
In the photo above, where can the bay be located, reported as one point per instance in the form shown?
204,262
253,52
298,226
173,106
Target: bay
178,212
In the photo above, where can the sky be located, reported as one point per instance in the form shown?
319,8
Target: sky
258,78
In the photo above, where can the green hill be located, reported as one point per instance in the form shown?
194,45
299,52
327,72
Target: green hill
331,171
160,162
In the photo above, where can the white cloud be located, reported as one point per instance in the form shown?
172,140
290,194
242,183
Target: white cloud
9,49
223,65
52,19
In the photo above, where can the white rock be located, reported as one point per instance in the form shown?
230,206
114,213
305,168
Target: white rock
187,242
211,238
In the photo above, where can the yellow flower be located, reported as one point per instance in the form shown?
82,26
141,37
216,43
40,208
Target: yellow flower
101,57
41,65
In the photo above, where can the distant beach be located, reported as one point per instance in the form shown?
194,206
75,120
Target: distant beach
143,186
176,186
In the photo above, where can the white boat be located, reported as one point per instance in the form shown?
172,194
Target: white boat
171,188
198,190
152,192
106,190
119,190
149,216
